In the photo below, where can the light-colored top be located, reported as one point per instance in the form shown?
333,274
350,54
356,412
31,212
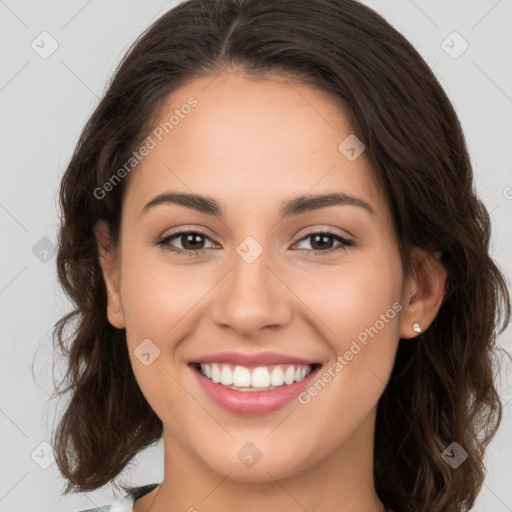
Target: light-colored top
125,504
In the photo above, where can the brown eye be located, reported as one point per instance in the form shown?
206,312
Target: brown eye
190,241
323,242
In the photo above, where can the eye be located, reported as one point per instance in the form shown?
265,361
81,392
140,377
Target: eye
191,242
320,242
192,245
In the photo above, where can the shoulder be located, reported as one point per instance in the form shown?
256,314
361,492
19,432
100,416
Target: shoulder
125,504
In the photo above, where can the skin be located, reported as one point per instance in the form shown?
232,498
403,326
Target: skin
252,144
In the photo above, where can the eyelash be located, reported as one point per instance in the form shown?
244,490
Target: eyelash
164,242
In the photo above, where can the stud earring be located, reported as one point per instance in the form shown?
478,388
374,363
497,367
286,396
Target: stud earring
416,327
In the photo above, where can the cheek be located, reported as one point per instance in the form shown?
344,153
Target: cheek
359,307
158,301
351,297
156,293
162,302
358,304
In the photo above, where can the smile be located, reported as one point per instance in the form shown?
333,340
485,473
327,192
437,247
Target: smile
241,378
253,385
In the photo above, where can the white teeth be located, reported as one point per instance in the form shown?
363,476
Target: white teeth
277,376
260,377
247,379
215,372
226,376
241,377
289,375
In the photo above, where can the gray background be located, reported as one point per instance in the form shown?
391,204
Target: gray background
44,103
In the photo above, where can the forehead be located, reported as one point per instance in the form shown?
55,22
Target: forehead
250,142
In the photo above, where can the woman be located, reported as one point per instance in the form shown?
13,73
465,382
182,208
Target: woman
280,266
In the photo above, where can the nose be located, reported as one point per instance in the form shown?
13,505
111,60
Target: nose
252,298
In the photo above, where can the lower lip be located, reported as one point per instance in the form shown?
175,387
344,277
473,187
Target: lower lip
253,402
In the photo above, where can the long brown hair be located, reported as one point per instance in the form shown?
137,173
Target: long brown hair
442,388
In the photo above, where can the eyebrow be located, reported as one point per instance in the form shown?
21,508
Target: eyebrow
295,206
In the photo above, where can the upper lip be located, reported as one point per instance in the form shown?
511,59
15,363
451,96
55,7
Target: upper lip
251,360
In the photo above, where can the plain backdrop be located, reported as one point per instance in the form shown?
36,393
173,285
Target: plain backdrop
44,103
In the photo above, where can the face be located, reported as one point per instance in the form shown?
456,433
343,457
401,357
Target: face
318,287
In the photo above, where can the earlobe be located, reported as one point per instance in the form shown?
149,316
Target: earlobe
424,293
108,259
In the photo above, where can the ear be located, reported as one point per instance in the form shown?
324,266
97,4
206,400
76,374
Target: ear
109,262
423,293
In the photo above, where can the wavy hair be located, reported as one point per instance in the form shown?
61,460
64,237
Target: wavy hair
442,388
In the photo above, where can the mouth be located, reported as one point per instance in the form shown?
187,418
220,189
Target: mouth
260,378
249,389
